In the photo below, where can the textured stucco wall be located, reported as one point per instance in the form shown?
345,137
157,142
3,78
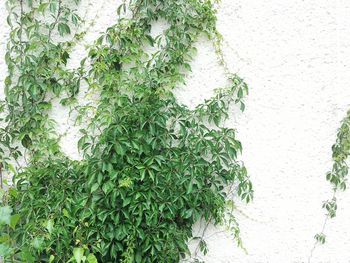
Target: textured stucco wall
295,56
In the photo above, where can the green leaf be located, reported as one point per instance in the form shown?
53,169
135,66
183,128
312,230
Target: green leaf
53,7
120,7
26,256
91,258
189,188
42,7
26,141
78,254
5,215
4,238
30,2
5,250
49,225
138,257
119,149
321,238
38,242
63,29
108,187
65,212
13,192
188,213
13,221
94,187
242,106
75,19
240,93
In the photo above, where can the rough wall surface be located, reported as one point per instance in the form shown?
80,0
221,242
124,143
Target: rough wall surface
295,56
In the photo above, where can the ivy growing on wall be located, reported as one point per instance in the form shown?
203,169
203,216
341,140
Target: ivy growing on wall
151,166
337,176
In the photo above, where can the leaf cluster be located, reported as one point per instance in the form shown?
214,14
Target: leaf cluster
152,167
339,173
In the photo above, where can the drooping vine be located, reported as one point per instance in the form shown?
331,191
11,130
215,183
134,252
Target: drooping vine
151,166
337,176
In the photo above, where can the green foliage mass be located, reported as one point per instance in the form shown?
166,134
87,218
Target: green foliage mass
152,167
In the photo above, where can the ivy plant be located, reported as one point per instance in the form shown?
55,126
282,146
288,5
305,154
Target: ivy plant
151,166
337,176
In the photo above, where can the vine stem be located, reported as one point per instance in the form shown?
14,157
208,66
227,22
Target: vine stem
21,29
136,9
322,231
1,179
56,19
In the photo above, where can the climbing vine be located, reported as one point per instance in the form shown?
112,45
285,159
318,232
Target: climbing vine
337,176
151,166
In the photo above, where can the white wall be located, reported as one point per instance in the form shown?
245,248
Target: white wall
295,56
